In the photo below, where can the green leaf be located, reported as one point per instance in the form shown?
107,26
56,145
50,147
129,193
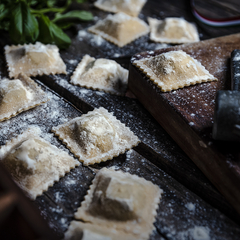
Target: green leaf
51,33
23,25
64,25
76,14
4,12
80,1
33,2
4,25
2,7
51,3
6,2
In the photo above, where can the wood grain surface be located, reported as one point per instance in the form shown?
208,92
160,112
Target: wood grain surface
190,202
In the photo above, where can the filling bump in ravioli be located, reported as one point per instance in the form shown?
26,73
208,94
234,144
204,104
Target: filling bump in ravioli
34,163
13,94
121,201
19,95
96,136
130,7
34,59
101,74
173,70
172,30
87,231
120,28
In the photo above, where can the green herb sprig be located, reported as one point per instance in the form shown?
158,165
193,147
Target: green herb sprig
29,21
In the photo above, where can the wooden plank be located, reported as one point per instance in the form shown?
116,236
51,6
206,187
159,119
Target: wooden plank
188,113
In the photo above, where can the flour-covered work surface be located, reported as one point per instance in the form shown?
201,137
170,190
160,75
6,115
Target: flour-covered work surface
91,158
68,192
155,144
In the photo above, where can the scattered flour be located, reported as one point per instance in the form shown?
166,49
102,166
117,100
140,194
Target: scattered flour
100,93
84,91
128,154
237,57
98,40
160,46
92,38
70,182
73,61
57,196
195,233
200,233
190,206
64,222
115,167
82,34
116,55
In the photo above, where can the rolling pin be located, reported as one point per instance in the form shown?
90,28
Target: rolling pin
226,124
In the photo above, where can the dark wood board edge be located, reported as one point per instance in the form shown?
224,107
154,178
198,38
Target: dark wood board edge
208,160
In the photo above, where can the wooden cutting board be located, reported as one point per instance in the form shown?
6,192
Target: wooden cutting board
187,114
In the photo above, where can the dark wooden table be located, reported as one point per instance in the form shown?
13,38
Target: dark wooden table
190,203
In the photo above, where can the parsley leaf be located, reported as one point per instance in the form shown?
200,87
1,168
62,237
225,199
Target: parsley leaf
76,14
23,25
28,20
51,33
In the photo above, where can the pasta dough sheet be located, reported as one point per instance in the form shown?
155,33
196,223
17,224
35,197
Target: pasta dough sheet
19,95
130,7
34,163
96,136
173,70
172,30
34,59
121,201
87,231
101,74
120,28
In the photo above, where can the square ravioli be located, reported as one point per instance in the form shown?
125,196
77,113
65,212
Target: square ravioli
34,59
101,74
87,231
19,95
34,163
121,201
130,7
172,30
96,136
173,70
120,28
